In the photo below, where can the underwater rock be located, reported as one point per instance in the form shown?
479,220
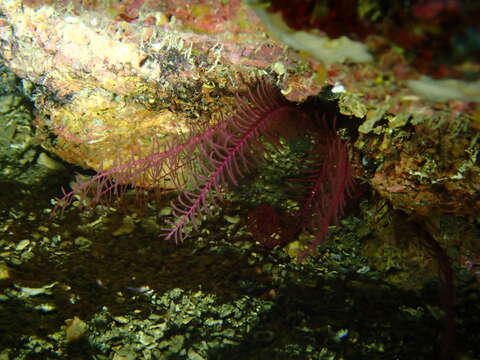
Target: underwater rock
114,80
75,329
4,271
109,87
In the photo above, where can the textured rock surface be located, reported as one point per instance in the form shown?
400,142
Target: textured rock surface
114,78
109,86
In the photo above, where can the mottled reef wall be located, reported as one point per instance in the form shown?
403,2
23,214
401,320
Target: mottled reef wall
114,77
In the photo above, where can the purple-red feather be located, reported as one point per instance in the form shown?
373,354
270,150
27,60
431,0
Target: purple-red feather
223,154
